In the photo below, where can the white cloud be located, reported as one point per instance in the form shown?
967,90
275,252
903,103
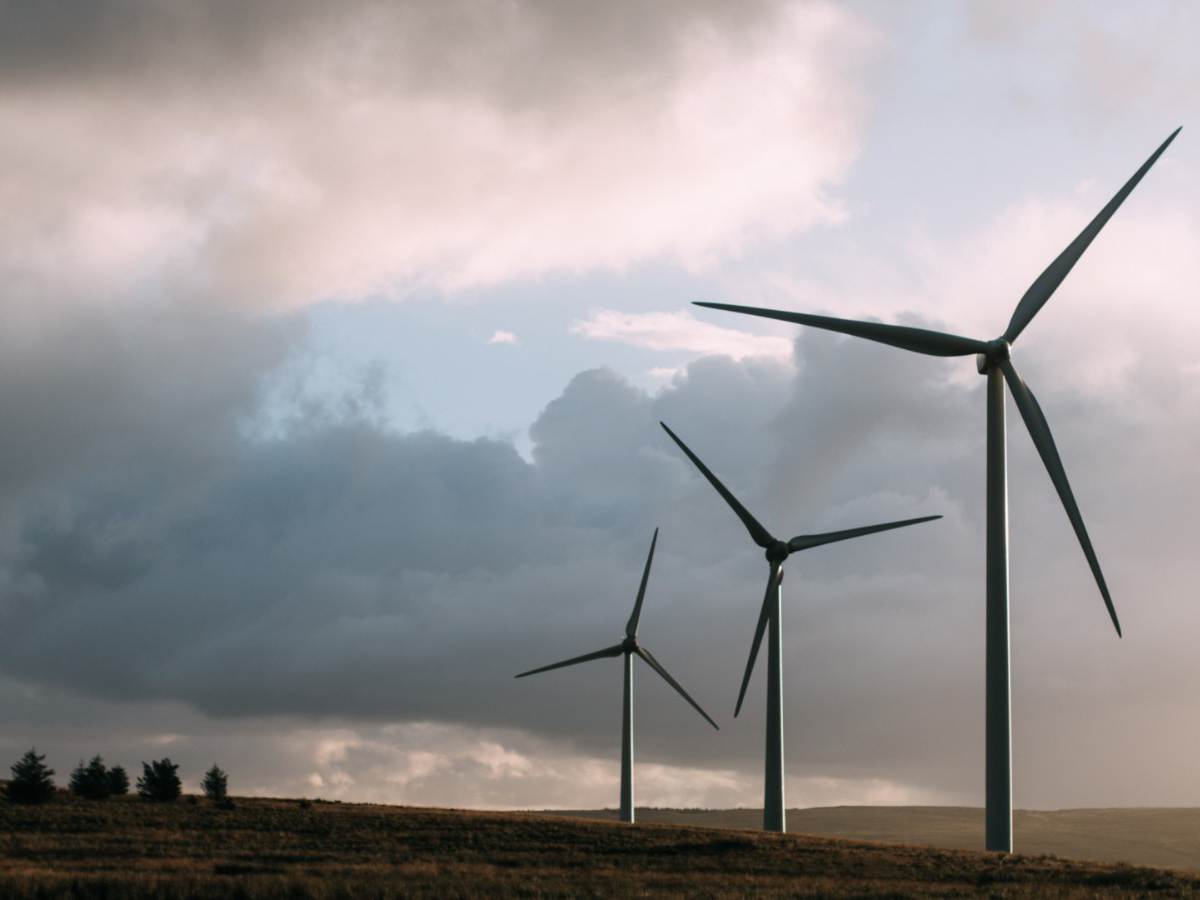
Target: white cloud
418,763
502,337
666,372
679,331
316,164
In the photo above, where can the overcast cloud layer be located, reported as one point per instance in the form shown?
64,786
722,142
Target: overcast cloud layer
452,143
211,547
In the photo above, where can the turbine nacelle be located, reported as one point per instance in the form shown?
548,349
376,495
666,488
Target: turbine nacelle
777,552
998,351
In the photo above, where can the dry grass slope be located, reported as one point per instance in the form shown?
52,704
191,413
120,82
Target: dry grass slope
1168,838
126,848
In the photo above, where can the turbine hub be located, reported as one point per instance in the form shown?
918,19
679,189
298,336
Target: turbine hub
998,351
778,552
629,645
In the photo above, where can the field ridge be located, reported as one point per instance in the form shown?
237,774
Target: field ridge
1167,837
129,849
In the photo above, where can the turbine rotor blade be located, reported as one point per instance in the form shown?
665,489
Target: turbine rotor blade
806,541
919,340
1039,430
761,536
1046,284
657,667
631,626
615,650
763,617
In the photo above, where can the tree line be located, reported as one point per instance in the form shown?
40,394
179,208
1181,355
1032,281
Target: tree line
33,781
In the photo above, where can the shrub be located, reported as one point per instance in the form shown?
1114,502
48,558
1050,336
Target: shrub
118,781
215,783
31,781
91,780
159,780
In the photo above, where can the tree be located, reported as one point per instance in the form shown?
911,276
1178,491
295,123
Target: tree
159,780
215,783
118,781
31,781
91,780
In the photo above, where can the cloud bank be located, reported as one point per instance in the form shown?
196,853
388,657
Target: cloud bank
197,554
343,572
280,154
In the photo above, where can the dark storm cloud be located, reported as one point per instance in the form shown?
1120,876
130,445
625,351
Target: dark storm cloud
340,569
332,568
308,573
153,393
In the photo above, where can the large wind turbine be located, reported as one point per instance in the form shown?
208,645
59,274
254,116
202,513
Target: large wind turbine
628,648
993,359
777,551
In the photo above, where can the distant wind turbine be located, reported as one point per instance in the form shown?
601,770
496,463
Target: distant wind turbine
628,648
993,358
777,552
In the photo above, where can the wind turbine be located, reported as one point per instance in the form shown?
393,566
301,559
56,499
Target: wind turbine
629,647
777,551
993,359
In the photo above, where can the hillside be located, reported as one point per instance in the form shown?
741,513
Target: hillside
1168,838
127,848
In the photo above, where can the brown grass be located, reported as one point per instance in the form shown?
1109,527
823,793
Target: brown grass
127,848
1164,837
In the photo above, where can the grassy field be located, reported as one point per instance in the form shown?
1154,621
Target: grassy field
1168,838
128,848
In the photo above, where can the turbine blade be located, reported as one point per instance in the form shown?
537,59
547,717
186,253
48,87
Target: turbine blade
1039,430
919,340
657,667
763,618
1046,284
632,626
615,650
806,541
761,536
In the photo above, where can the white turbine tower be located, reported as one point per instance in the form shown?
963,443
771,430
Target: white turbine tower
629,648
993,359
776,551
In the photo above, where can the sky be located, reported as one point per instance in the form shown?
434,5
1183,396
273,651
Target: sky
334,342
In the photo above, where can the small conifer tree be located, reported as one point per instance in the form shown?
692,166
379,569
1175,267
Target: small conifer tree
159,780
215,784
118,781
31,781
91,780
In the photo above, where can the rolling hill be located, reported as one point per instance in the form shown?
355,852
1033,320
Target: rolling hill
128,848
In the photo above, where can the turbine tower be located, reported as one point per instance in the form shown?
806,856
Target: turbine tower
776,551
993,359
629,648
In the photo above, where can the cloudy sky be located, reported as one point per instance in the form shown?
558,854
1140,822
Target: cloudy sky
335,338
